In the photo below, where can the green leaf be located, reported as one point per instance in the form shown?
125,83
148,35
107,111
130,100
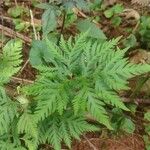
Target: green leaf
108,13
49,21
42,6
130,41
82,4
146,141
118,8
116,21
17,11
10,60
27,124
95,32
39,53
127,125
96,108
147,116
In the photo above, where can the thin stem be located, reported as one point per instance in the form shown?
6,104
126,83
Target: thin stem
62,26
16,3
33,25
91,144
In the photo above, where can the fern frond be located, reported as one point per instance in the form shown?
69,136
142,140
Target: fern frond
10,146
83,77
51,96
97,110
27,124
80,100
53,134
7,111
10,60
111,98
63,128
31,143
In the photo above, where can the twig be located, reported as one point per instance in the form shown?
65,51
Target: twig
25,64
19,80
137,101
16,3
91,145
136,27
33,25
2,31
37,22
35,36
9,32
79,12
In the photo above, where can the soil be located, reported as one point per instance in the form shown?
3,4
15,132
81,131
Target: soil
126,142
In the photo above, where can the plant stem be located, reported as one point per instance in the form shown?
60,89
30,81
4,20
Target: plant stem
62,26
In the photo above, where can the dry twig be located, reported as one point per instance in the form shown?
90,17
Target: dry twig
91,144
20,80
9,32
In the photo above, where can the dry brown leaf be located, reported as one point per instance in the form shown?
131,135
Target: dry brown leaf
140,56
109,2
131,13
141,2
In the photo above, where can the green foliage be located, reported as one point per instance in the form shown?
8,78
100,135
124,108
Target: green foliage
112,13
7,112
10,60
146,137
116,21
130,41
78,77
17,11
54,9
21,25
95,32
147,142
116,9
144,31
49,20
120,122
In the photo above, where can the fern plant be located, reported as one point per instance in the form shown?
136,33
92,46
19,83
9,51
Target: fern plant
10,60
80,77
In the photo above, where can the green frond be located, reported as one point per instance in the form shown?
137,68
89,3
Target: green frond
112,98
7,111
10,60
31,143
81,77
27,124
51,96
66,127
10,146
80,100
53,133
97,110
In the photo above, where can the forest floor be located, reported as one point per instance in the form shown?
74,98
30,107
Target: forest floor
96,141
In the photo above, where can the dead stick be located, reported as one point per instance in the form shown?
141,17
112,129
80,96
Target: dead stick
90,143
20,80
36,38
11,33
